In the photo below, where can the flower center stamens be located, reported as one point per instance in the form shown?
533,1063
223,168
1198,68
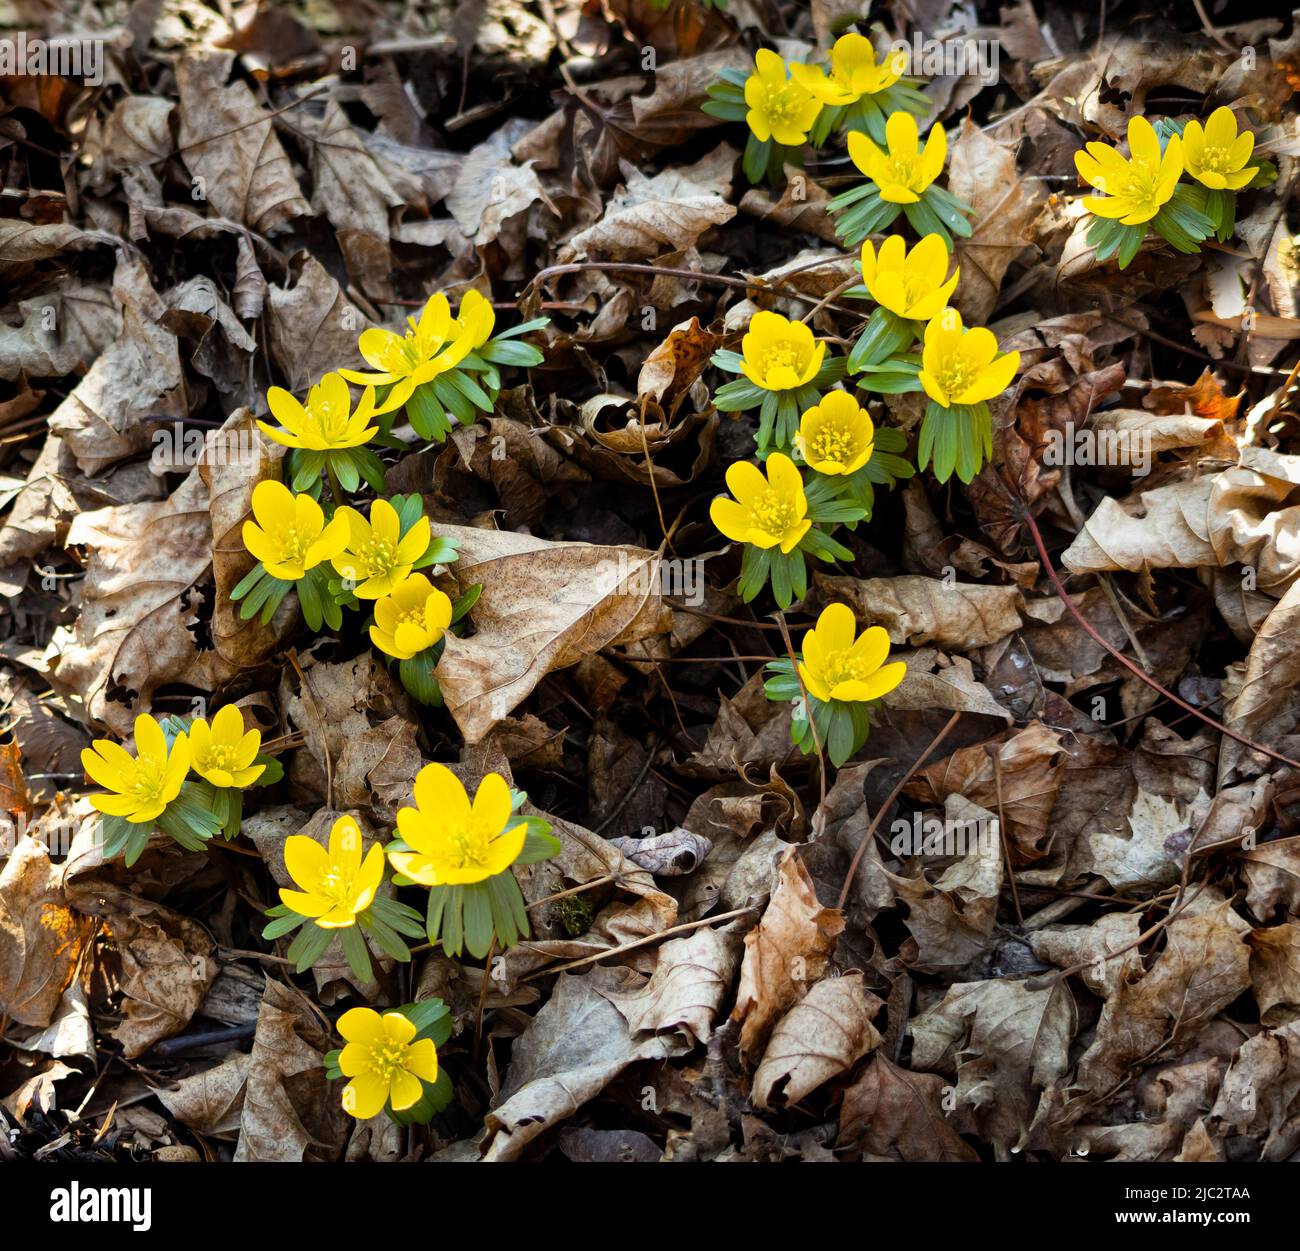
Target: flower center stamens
338,887
841,667
832,443
773,513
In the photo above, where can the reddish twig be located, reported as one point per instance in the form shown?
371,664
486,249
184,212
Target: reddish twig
1136,670
885,807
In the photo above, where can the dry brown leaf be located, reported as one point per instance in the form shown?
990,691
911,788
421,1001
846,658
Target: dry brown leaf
351,188
1275,972
1204,966
211,1102
1259,1092
1030,763
1000,1040
544,606
1243,515
1273,878
948,683
291,1110
917,610
229,145
136,380
165,965
685,993
41,939
952,919
491,189
664,213
826,1033
313,328
140,599
1265,704
784,954
893,1112
982,172
572,1049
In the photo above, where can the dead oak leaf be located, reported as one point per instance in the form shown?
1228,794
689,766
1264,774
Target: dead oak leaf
1204,966
826,1033
41,938
229,145
785,953
140,601
895,1113
685,992
544,606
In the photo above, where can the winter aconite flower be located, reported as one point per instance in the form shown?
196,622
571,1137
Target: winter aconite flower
327,422
840,664
141,786
904,169
410,618
836,436
962,366
378,556
781,109
384,1062
780,354
476,318
1133,189
451,841
334,884
767,512
222,753
911,284
288,533
1216,155
431,346
854,72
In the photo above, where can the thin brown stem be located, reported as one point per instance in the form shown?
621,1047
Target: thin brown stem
1136,670
889,801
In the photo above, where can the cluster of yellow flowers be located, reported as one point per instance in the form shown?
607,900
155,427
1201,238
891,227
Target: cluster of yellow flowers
433,344
445,840
462,850
138,788
338,558
1145,188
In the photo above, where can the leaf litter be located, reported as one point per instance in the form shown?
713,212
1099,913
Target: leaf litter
731,949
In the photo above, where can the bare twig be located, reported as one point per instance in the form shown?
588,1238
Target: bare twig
1046,561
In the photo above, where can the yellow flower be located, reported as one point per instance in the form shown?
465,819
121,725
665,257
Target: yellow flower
909,284
377,555
431,346
779,108
780,354
383,1063
477,318
142,785
453,843
336,884
327,423
963,366
410,618
854,72
1132,190
222,753
1216,156
289,535
904,171
772,511
837,435
838,665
